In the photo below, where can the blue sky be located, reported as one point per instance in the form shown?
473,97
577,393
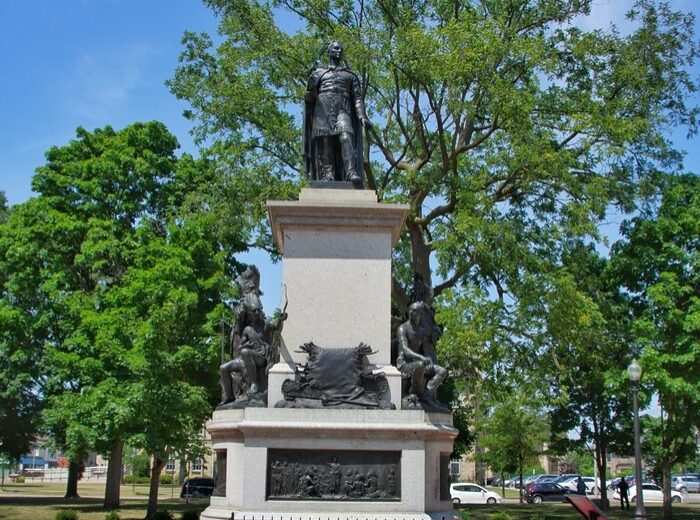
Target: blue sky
70,63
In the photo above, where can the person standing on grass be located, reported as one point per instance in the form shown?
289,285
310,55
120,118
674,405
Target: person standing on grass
623,487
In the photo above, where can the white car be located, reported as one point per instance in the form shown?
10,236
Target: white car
468,493
651,493
571,483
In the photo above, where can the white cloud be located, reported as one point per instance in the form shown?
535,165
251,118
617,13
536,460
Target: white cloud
98,85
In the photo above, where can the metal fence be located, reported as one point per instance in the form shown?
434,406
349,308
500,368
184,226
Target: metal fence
91,474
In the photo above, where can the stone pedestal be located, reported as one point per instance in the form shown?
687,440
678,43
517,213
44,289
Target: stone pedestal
421,443
336,247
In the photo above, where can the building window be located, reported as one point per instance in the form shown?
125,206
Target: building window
170,465
197,466
454,467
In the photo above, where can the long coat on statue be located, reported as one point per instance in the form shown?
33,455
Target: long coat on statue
333,104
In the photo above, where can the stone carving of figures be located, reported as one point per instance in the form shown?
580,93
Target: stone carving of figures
308,484
349,482
334,115
335,474
287,475
275,479
391,483
371,484
358,487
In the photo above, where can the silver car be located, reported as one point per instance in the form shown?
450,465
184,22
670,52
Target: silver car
687,483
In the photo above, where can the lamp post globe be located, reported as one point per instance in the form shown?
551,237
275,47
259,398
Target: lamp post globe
634,371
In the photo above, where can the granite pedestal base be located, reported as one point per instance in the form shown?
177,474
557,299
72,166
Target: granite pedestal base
411,445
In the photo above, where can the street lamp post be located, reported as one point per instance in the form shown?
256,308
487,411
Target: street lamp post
634,371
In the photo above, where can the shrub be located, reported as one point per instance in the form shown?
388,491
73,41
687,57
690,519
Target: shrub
163,515
19,479
67,514
141,465
500,515
166,478
112,515
190,515
132,479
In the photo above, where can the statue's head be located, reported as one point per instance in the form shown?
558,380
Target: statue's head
415,310
335,50
249,281
253,307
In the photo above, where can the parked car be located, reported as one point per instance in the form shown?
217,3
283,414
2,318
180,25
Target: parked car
685,483
511,482
541,477
468,493
539,492
572,481
652,493
195,487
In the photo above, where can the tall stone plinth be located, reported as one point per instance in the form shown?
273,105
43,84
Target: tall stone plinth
414,443
327,463
336,263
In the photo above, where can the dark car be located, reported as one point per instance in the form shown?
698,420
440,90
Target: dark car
539,492
197,487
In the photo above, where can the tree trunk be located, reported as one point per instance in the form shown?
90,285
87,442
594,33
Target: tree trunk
74,471
114,475
157,467
666,486
520,474
601,454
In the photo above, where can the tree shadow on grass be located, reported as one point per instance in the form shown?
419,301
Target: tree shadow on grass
135,509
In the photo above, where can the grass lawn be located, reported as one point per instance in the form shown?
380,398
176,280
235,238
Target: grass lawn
43,501
567,512
45,508
85,490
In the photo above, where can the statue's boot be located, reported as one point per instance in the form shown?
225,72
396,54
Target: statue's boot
348,150
326,172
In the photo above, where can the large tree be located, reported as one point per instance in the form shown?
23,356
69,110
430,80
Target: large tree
587,327
505,126
515,432
122,231
658,261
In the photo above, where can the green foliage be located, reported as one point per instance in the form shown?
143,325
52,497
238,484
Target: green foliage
507,129
658,262
112,515
580,461
165,478
190,515
587,322
111,288
3,207
513,436
19,479
67,514
500,515
141,465
162,515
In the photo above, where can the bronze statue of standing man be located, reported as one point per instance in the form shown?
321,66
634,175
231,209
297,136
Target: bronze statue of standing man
334,115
